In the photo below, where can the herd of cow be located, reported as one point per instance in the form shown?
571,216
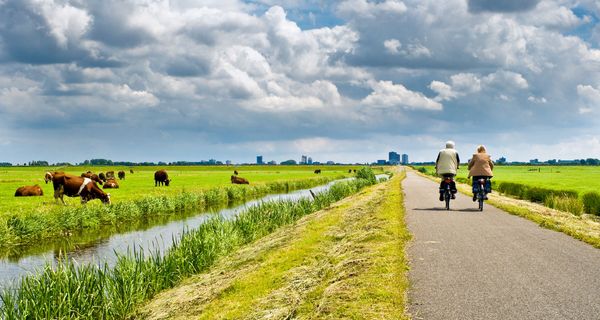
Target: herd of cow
86,187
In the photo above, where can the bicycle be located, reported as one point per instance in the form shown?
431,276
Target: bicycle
447,191
481,190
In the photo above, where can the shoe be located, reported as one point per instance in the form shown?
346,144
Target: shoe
474,198
441,197
453,196
485,197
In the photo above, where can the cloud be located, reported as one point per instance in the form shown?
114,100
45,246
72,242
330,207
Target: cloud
463,84
388,94
501,6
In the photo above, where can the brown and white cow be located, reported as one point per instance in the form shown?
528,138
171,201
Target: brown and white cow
92,176
110,175
29,191
161,177
121,175
111,184
50,175
239,180
74,186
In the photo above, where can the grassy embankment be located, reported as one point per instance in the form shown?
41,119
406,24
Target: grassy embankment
585,227
28,219
69,290
345,262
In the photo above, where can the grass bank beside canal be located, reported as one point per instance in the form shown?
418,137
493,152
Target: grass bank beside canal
73,291
30,224
344,262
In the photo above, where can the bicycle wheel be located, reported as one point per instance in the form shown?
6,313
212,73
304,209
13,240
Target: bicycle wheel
481,198
447,198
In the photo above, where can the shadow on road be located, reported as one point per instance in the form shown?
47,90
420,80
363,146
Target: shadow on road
431,209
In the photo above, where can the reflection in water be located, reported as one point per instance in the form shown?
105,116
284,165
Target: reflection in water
103,247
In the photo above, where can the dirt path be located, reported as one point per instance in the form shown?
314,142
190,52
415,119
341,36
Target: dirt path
471,265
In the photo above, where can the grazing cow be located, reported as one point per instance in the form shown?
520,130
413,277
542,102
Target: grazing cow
29,191
235,172
111,184
102,177
161,177
121,175
349,170
354,170
110,175
92,176
239,180
131,171
50,175
74,186
318,171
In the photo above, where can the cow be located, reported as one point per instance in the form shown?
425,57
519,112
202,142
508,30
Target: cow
354,170
29,191
111,184
121,175
110,175
74,186
102,177
235,172
318,171
349,170
161,177
49,175
92,176
131,171
239,180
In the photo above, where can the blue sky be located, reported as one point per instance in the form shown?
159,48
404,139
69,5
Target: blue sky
158,80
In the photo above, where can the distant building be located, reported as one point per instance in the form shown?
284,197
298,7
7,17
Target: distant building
330,162
288,162
404,158
534,161
272,162
303,159
502,160
309,161
259,159
228,162
393,157
381,162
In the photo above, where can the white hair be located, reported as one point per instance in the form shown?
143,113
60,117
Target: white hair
450,144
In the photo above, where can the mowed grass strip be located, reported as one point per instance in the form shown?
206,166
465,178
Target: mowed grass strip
343,262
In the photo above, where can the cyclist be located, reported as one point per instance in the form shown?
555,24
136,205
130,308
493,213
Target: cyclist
446,165
480,167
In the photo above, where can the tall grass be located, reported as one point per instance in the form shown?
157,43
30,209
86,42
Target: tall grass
567,204
27,227
591,202
73,291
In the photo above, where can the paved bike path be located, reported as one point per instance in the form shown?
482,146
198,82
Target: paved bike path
467,264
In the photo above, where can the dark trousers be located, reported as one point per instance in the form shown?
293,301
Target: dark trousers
443,183
476,181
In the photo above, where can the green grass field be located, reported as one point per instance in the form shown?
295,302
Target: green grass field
141,183
577,178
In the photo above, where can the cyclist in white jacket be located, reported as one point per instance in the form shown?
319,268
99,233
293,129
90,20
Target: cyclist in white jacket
446,165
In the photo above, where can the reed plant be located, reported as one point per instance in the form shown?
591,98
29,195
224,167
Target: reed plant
98,292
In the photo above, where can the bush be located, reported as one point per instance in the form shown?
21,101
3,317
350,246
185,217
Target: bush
422,170
367,174
591,203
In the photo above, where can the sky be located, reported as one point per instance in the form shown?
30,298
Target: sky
347,81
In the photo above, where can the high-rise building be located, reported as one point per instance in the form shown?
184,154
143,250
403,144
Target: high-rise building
404,158
393,157
303,159
259,160
309,161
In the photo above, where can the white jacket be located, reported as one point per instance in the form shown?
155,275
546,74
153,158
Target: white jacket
447,162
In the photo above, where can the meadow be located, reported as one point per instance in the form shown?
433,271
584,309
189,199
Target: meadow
569,188
27,219
86,291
